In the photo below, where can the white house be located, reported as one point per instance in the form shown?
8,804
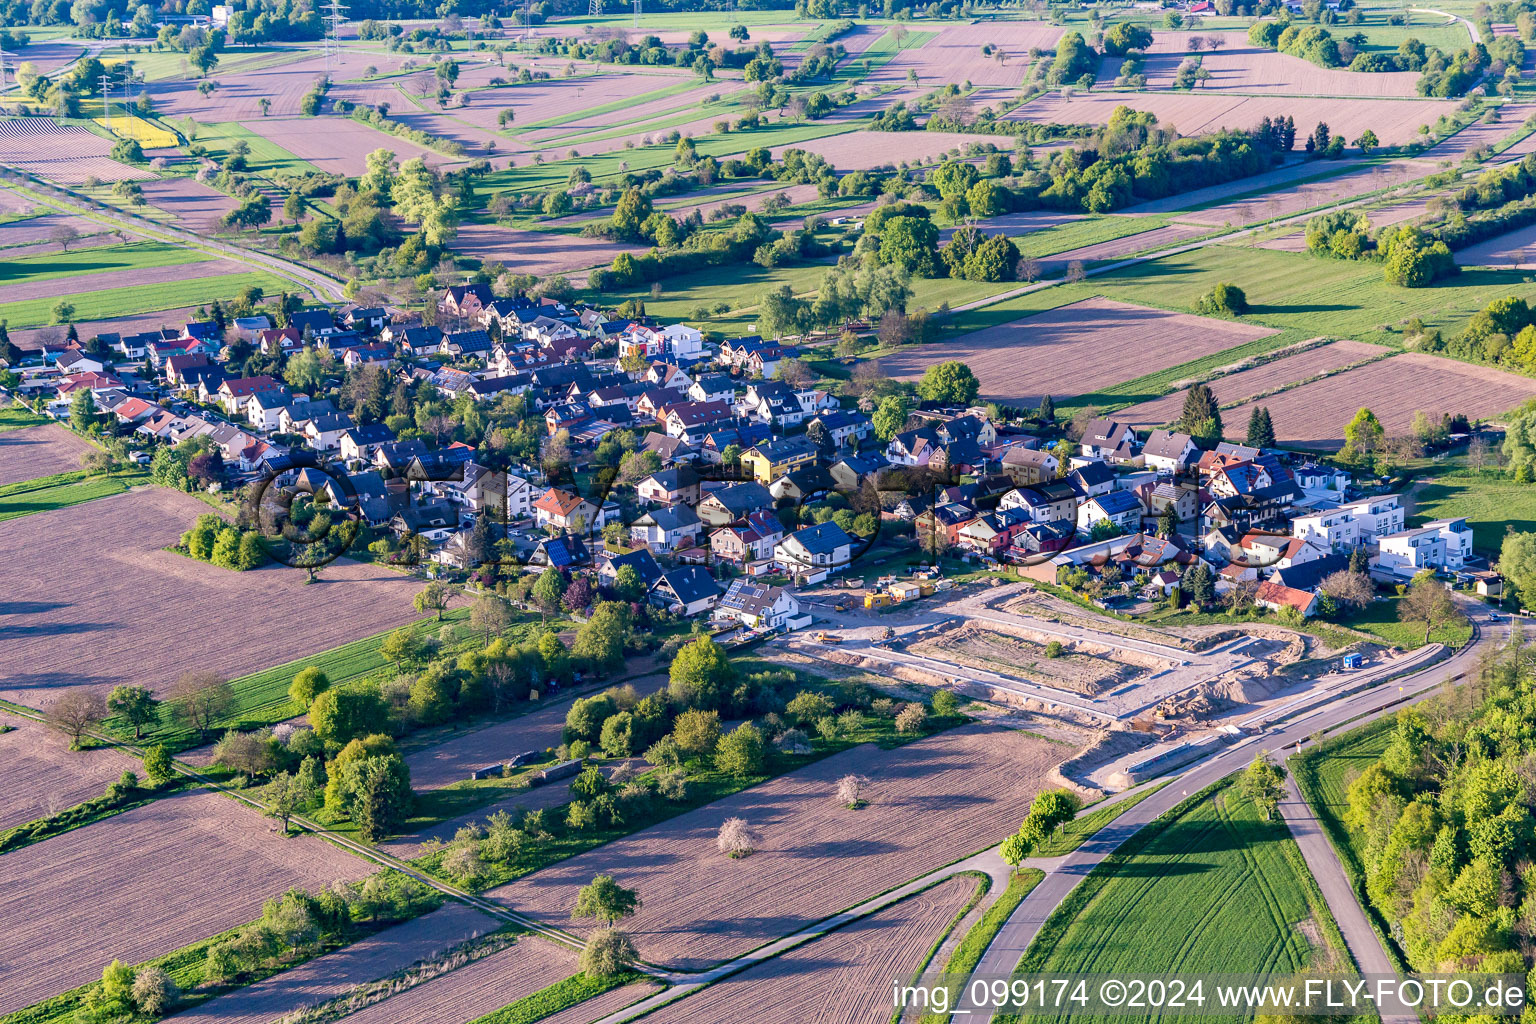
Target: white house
1169,451
757,605
823,547
1442,544
667,528
685,343
1354,523
1122,508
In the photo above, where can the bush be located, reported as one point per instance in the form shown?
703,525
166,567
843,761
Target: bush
911,719
1223,300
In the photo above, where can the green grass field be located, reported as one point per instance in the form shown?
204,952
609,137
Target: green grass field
1310,294
1492,502
142,298
265,155
128,256
969,952
547,1002
1379,618
14,417
1211,889
62,490
1089,231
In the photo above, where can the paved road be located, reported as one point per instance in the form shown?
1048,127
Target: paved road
1015,936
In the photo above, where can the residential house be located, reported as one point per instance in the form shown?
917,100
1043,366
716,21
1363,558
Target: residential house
323,432
692,421
846,427
234,392
773,459
668,449
852,471
686,344
667,528
175,367
76,361
466,345
1049,502
670,486
801,484
815,548
733,502
1274,596
1110,440
264,409
1169,451
368,355
992,533
315,323
1441,544
563,552
1238,479
1091,480
465,300
687,590
490,489
365,319
641,560
1122,508
1184,500
758,605
1030,465
1354,523
751,540
135,410
413,339
712,387
280,341
565,511
361,443
395,457
938,526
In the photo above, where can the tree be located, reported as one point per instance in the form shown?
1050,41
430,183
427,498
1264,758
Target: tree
154,993
157,764
1348,588
742,751
348,711
1048,812
490,614
1428,602
547,591
399,646
1198,584
949,383
601,640
1367,141
735,838
606,900
137,706
76,711
911,718
286,796
850,791
434,598
1261,432
376,793
1201,418
1263,782
1225,299
308,684
82,411
890,417
199,698
608,952
1363,437
696,732
700,675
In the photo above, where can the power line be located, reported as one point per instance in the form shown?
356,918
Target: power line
3,55
335,17
106,98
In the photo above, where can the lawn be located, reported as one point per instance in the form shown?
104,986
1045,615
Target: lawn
547,1002
1379,618
1308,293
62,490
142,298
129,256
1078,233
1491,502
14,417
1209,888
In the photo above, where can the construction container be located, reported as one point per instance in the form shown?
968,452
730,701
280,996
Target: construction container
877,600
906,591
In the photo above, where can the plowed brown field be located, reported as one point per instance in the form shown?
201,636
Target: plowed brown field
143,883
326,977
842,978
968,787
476,989
1234,387
1075,349
1313,415
43,776
44,450
95,600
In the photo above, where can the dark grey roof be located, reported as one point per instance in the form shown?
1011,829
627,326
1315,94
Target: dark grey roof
689,583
